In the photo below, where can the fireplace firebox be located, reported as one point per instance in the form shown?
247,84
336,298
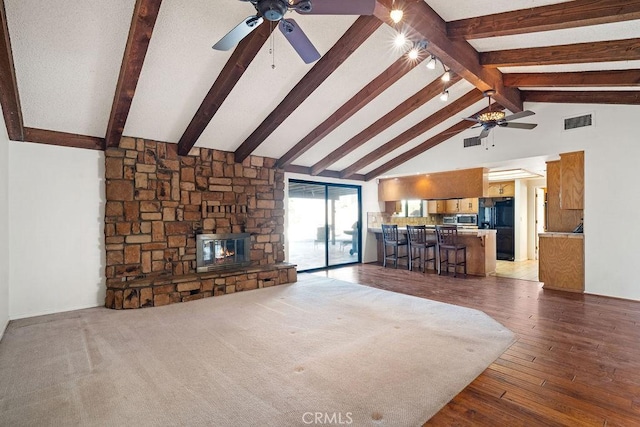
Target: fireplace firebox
220,251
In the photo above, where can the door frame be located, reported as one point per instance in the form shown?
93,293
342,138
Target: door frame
327,185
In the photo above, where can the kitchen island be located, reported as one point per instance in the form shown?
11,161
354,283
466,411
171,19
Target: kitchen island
480,243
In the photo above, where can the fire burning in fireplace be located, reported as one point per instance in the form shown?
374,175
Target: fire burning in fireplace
217,251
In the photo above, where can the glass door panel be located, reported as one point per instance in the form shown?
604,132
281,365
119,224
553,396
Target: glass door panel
343,214
307,231
323,224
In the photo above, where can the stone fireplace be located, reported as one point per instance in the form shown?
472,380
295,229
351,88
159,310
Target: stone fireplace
158,202
222,251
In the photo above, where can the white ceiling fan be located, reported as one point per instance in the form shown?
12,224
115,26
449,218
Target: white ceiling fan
275,10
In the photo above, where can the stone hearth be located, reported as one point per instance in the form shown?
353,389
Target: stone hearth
157,201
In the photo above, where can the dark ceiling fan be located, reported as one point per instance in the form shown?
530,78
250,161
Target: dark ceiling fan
491,119
274,11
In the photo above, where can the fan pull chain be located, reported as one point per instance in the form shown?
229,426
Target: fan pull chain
272,48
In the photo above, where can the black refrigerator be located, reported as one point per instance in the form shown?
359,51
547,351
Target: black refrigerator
498,213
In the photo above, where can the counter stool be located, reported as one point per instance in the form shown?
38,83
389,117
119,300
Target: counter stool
391,237
448,242
418,239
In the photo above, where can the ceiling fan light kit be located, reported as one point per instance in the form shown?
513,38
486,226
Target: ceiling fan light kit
491,119
275,10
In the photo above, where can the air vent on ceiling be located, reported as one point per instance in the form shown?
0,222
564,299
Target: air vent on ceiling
472,142
578,122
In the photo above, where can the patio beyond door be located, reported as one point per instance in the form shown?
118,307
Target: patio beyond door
323,224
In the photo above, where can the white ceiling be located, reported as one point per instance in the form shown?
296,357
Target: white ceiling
67,58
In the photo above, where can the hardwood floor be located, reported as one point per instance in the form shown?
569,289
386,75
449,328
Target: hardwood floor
576,361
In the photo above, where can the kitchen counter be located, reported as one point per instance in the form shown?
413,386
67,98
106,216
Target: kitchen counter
559,234
480,243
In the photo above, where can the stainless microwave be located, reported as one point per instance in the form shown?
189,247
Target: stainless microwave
450,219
467,219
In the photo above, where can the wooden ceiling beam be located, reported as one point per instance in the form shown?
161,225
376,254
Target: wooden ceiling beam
9,98
382,82
435,119
63,139
144,18
305,170
233,70
427,145
559,16
574,79
579,53
357,34
583,97
423,22
411,104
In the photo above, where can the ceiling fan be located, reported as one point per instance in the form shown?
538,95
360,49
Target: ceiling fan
274,11
491,119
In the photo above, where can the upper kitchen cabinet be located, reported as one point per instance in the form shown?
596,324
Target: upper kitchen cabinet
558,219
572,180
436,206
501,189
452,206
469,205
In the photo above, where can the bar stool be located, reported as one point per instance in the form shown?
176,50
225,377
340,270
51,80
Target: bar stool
392,238
448,241
418,239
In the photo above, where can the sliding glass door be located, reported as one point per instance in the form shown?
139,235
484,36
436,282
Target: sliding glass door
323,224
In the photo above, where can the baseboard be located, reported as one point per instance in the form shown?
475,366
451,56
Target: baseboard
47,312
3,328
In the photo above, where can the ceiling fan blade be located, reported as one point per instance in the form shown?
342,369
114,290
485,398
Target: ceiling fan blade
519,125
484,133
298,39
521,114
340,7
472,119
241,31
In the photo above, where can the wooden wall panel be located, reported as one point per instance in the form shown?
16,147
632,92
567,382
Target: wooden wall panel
442,185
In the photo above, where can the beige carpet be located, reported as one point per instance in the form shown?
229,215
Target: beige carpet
319,350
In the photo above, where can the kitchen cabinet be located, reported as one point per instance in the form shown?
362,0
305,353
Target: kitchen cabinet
561,263
435,206
572,180
501,189
469,205
558,220
452,206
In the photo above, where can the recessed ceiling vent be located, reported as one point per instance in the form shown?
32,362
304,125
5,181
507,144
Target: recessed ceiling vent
472,142
578,122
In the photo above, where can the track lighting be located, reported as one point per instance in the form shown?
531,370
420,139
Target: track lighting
446,77
413,53
396,13
432,63
400,40
444,97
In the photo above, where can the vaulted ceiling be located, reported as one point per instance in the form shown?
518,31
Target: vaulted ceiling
82,73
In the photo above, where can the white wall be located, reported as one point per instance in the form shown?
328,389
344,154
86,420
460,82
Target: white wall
611,161
532,185
4,226
521,222
369,204
56,212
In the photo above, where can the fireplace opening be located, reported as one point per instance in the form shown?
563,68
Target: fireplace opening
219,251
